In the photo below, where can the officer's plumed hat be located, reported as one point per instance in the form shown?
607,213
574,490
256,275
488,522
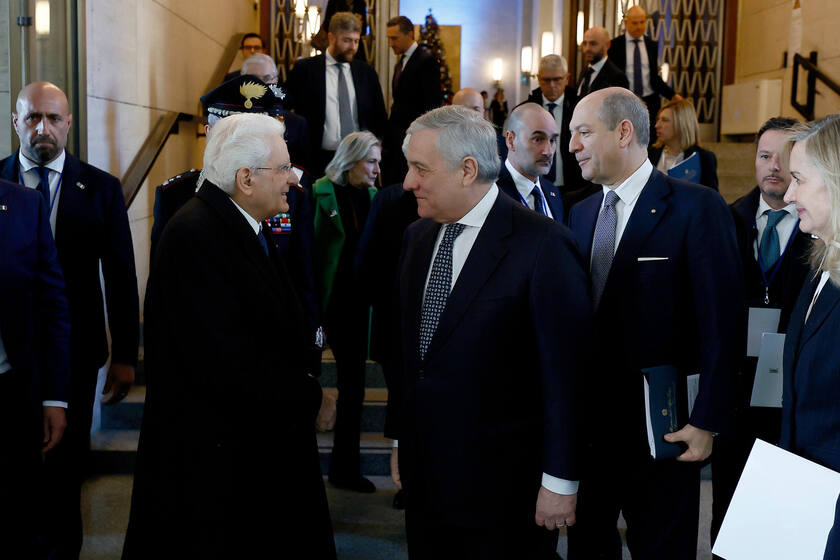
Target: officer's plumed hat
244,94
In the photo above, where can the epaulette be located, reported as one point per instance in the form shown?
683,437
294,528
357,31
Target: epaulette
192,173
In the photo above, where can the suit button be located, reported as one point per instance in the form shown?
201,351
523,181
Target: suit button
422,374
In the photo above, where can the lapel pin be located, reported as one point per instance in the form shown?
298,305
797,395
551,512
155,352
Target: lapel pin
80,185
3,207
653,210
333,213
552,194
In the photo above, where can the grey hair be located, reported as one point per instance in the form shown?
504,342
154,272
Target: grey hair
255,58
554,61
462,133
353,149
239,141
623,105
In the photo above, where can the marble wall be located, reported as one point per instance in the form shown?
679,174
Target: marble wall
145,58
5,94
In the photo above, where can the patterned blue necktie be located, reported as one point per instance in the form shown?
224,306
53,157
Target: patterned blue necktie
263,241
768,249
638,87
440,284
603,246
44,182
539,205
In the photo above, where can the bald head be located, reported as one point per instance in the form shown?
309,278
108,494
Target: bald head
469,98
531,135
42,121
635,21
262,66
595,43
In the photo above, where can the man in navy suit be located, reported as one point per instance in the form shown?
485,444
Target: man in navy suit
88,216
531,137
487,418
34,361
666,279
336,93
599,72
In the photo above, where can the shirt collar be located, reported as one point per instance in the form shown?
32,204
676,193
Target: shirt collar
329,58
479,212
631,188
764,207
409,51
255,225
558,101
598,65
629,38
57,164
523,184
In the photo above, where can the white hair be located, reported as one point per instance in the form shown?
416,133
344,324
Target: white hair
352,149
239,141
254,59
462,133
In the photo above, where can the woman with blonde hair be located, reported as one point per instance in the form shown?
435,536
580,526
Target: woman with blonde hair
811,370
677,132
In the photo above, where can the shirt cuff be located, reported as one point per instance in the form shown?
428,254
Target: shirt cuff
59,404
396,443
559,485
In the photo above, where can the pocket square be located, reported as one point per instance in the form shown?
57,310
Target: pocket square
645,259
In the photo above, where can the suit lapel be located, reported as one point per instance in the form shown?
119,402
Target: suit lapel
649,209
586,217
355,73
320,90
4,223
11,168
620,51
826,302
327,202
73,195
420,259
483,259
553,198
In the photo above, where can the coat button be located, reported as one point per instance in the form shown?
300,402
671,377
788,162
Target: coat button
422,374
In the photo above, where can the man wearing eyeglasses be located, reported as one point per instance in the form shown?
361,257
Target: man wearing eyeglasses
558,99
251,43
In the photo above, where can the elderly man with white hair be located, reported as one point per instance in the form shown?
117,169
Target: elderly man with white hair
227,465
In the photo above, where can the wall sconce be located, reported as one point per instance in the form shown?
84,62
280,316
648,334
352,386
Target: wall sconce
300,8
546,43
580,28
525,63
497,72
42,17
313,16
665,71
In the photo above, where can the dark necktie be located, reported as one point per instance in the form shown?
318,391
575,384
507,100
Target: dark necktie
345,114
539,205
440,284
398,69
584,80
603,246
44,182
263,242
768,249
638,88
552,171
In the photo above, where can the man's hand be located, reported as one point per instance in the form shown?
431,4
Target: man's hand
555,510
699,443
120,377
395,468
55,421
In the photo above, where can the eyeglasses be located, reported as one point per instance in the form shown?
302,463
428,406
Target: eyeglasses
557,79
252,48
269,78
282,169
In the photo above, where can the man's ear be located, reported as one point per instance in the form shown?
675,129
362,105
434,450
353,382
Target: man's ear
469,168
243,181
509,137
626,131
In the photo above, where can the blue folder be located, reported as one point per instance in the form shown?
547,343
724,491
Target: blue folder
667,408
687,170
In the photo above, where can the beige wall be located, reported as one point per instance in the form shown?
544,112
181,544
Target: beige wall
5,100
146,57
763,35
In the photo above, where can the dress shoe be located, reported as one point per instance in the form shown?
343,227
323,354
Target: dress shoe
399,500
358,484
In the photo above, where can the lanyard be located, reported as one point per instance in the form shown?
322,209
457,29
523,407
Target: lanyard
768,282
542,201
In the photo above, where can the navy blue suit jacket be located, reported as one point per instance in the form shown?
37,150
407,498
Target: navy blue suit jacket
92,225
810,415
34,316
495,398
551,192
685,309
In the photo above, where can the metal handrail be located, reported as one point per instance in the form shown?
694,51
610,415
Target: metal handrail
166,125
814,74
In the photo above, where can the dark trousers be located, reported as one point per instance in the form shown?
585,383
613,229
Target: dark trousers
521,539
660,501
347,334
66,465
20,468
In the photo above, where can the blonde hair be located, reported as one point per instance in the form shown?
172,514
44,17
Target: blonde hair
685,123
821,140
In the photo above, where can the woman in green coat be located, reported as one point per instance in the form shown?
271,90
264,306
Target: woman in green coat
341,206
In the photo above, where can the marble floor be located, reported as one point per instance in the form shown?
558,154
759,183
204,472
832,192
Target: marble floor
366,526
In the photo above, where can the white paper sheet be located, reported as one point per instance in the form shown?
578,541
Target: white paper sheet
762,320
783,508
767,387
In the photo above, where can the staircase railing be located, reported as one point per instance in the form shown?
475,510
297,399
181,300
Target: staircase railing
167,125
814,74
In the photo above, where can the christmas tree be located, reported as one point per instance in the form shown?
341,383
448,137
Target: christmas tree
430,36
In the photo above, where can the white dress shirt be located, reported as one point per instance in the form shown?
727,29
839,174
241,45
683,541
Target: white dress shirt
525,188
595,69
784,227
474,220
29,177
255,225
558,118
628,193
332,121
628,65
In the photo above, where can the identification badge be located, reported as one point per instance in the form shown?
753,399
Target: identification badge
762,320
767,388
